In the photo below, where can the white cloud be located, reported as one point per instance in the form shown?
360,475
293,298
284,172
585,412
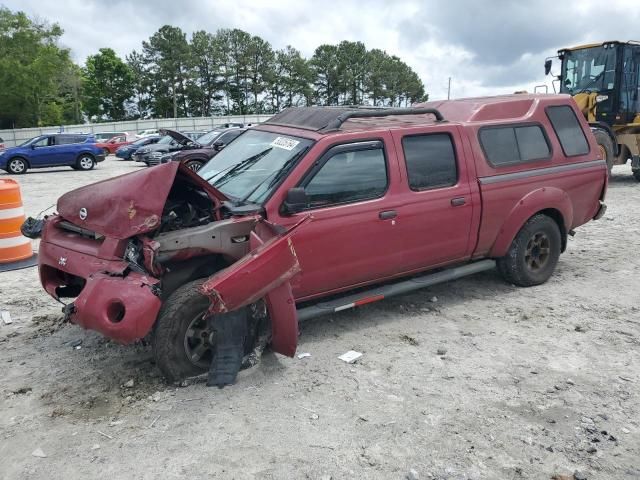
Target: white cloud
487,48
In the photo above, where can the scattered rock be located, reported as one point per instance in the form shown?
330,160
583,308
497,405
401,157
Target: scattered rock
441,351
76,343
568,381
433,299
38,453
314,416
95,446
304,355
129,384
410,340
592,450
580,328
625,430
413,475
578,475
21,390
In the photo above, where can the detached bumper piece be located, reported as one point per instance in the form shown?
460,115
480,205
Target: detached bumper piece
231,331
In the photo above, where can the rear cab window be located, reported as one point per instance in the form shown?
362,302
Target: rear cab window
505,145
430,161
567,127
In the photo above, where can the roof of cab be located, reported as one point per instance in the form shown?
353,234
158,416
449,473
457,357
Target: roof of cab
318,121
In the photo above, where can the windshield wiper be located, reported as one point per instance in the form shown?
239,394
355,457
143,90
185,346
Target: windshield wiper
233,170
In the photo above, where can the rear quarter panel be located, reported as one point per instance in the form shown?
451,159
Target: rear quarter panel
512,194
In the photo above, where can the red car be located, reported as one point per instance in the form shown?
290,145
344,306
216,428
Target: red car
111,145
319,210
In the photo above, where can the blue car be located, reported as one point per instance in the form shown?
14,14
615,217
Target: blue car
126,151
75,150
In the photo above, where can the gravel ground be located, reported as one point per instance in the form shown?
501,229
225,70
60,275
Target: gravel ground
473,379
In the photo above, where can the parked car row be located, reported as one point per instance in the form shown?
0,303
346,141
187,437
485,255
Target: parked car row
180,146
83,151
78,151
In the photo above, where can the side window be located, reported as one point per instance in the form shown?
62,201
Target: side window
431,161
66,139
568,130
230,136
514,144
349,177
43,142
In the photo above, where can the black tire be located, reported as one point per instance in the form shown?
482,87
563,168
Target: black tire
106,152
533,254
636,175
606,147
194,165
85,162
177,314
17,166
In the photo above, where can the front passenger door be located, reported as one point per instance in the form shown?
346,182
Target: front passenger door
351,237
43,152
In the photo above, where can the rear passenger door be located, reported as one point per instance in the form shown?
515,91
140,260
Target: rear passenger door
435,217
67,149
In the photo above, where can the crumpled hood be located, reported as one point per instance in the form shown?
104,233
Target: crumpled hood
130,204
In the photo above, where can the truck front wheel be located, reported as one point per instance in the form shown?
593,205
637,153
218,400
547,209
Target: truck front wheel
533,254
183,346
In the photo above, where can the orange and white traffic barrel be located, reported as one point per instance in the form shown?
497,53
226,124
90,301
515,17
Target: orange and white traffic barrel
14,247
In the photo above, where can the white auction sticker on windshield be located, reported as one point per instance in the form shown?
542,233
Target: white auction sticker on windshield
284,142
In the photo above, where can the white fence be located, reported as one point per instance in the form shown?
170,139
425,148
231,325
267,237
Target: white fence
16,137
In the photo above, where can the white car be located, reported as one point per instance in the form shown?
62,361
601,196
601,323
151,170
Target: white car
147,133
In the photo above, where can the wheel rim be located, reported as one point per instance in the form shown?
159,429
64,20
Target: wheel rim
86,163
17,166
537,252
195,166
198,340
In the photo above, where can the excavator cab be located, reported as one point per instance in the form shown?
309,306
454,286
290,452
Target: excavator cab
604,80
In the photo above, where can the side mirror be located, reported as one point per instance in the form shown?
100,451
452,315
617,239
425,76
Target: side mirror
217,146
547,66
33,146
296,200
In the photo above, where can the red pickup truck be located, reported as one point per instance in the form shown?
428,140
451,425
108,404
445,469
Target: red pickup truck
317,210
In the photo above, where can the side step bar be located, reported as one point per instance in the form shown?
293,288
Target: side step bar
392,290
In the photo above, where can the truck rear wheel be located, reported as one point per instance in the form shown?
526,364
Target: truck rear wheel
182,344
533,254
606,147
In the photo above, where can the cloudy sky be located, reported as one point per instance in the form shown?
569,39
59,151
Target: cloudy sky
488,47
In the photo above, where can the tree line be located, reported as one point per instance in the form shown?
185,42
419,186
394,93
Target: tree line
228,72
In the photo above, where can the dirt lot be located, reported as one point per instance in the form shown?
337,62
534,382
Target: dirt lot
473,379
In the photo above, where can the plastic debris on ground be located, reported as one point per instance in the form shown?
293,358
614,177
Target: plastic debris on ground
350,357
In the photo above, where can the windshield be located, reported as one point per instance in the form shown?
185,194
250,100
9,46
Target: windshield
165,140
588,70
251,166
209,137
30,141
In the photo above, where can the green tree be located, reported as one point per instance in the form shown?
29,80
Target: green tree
108,86
325,67
166,58
36,74
290,83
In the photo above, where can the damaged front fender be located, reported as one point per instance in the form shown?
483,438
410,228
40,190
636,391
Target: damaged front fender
263,273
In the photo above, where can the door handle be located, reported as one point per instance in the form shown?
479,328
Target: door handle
388,214
459,201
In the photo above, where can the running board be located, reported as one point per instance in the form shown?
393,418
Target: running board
392,290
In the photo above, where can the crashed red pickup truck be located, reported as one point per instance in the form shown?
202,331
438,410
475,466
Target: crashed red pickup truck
317,210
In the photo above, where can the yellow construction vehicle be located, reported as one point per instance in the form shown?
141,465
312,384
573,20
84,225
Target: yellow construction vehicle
604,80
